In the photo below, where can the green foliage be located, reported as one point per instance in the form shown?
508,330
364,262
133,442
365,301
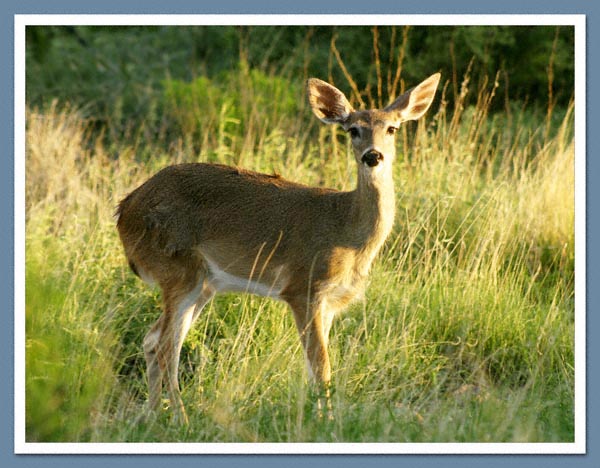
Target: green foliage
116,75
521,53
68,356
213,113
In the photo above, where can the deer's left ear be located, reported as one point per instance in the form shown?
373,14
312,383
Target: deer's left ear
415,102
327,102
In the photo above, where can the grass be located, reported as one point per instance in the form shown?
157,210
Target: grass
466,332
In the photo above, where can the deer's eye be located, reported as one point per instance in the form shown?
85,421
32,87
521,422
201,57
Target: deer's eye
353,131
391,130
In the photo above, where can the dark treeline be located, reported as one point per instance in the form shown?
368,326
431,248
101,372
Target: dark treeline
125,67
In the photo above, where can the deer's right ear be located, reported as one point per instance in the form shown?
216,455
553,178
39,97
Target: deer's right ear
328,103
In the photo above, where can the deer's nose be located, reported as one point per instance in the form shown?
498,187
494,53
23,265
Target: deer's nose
371,158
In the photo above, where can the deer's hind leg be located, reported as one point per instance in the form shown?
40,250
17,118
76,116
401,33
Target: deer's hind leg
184,297
153,371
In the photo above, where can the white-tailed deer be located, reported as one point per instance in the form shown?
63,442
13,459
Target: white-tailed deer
199,229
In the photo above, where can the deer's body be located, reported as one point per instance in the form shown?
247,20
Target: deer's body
199,229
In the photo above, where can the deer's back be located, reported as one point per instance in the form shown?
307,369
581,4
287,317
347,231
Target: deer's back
227,212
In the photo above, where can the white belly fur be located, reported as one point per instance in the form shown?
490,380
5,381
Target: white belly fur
223,281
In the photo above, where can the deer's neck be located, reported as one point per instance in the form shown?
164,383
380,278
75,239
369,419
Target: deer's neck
373,210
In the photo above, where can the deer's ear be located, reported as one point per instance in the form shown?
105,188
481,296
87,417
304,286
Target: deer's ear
415,102
327,102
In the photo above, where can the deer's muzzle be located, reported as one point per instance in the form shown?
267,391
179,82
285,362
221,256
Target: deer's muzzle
372,158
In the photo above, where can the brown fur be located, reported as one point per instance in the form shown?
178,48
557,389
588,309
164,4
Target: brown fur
195,229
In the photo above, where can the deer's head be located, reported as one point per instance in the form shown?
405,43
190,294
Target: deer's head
372,131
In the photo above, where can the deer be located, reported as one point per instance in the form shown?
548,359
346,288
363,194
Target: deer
198,229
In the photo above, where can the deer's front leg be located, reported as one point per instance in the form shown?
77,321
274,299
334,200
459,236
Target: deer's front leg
309,319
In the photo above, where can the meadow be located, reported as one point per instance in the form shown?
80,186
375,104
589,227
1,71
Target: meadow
466,333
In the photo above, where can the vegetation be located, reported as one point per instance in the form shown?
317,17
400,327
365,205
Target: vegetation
466,332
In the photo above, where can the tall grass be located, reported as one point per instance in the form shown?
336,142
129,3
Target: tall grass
466,331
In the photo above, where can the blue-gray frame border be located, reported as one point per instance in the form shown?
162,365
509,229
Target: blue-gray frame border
424,7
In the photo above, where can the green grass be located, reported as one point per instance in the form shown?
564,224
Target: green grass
466,332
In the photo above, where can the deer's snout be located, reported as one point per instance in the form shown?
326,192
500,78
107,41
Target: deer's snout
372,158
